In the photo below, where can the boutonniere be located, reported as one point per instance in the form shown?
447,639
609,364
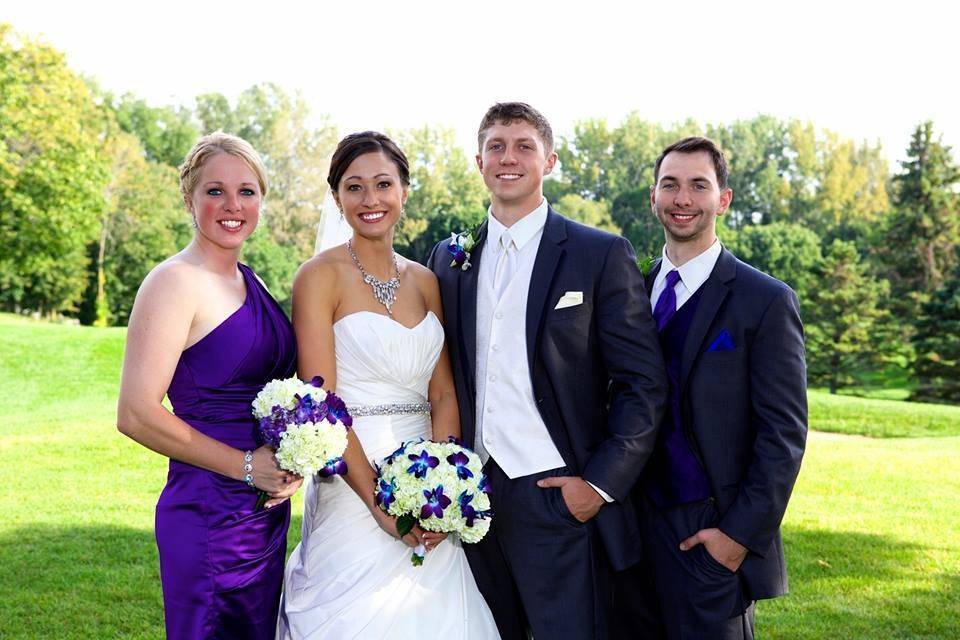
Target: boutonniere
461,244
646,264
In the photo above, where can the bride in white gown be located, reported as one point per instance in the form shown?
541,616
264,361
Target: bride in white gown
372,319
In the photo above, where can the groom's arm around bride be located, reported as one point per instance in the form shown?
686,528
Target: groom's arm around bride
561,383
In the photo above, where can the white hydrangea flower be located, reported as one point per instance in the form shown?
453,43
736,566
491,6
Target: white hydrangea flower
282,392
305,449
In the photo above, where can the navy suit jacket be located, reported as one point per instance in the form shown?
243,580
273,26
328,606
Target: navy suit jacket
597,371
744,407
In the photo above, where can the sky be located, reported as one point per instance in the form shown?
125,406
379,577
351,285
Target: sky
866,70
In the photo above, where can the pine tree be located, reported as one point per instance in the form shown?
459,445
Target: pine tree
925,226
937,343
845,325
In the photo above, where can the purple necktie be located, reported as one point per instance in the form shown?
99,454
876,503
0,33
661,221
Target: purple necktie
667,303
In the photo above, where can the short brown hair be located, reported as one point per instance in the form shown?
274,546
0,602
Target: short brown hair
695,144
506,112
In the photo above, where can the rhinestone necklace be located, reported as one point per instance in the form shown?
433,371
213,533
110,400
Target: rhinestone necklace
384,292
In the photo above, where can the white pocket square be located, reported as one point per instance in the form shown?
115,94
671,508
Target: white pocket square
570,299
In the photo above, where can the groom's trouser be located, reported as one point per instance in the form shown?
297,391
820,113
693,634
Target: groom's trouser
539,568
699,597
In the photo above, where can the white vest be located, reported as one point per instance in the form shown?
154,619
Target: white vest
508,425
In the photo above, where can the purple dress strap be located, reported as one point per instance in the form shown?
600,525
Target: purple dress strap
221,562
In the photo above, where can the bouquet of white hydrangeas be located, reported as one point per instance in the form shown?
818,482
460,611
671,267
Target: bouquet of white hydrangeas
438,485
305,425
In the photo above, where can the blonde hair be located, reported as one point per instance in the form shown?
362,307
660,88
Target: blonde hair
210,145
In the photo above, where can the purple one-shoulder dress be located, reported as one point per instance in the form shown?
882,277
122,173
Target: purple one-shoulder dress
221,562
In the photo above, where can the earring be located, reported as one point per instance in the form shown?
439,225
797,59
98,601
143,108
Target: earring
193,221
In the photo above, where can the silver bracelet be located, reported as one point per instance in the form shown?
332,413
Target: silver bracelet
248,468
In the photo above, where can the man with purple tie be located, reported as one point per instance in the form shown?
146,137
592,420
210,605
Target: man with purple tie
729,449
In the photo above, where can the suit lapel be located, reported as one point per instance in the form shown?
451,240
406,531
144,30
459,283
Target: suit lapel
544,269
715,291
467,310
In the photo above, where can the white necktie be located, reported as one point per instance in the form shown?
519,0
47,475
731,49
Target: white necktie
506,264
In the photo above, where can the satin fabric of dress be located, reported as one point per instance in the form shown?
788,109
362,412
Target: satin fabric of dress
348,578
221,562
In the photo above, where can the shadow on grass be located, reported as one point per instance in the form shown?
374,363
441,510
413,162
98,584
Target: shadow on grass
83,582
852,585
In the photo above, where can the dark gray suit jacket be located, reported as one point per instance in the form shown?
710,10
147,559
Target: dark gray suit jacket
597,371
746,408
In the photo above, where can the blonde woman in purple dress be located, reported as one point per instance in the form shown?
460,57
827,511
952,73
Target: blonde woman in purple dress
205,332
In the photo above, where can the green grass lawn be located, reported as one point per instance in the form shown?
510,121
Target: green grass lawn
872,534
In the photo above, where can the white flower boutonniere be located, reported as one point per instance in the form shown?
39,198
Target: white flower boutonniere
461,244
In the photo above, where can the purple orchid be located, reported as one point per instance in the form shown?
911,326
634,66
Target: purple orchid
467,509
436,503
460,461
336,467
337,410
422,463
484,485
455,440
309,410
396,454
384,495
457,253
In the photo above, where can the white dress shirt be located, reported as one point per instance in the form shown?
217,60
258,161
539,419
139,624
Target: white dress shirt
693,274
509,426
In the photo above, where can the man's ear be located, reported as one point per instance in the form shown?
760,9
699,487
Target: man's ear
551,163
726,197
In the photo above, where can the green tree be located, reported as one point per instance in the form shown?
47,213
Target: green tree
144,223
924,229
600,163
937,343
166,133
52,176
844,321
852,193
631,212
446,191
789,252
589,212
757,155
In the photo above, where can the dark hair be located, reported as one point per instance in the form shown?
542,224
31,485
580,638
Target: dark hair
506,112
358,144
694,144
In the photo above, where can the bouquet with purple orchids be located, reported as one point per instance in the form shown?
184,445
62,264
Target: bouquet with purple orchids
438,485
305,425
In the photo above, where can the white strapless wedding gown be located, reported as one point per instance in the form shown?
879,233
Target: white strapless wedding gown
348,578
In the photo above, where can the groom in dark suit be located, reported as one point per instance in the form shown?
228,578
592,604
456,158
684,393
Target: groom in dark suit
729,451
561,388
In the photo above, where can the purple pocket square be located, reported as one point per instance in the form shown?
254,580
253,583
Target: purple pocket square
723,342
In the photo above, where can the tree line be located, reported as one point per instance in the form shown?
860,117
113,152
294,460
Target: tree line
89,203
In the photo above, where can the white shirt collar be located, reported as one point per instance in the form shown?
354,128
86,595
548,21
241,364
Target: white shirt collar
522,231
694,272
